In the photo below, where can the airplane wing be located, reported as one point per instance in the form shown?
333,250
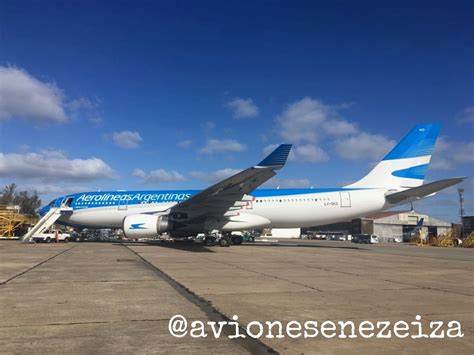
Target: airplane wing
422,191
230,194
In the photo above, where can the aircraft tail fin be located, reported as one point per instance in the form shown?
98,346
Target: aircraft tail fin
420,223
406,164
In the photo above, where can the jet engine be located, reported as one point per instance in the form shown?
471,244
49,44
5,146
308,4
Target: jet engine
145,225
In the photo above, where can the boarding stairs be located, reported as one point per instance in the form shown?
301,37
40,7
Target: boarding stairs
44,223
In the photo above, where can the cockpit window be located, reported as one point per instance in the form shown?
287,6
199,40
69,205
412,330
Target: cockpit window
51,204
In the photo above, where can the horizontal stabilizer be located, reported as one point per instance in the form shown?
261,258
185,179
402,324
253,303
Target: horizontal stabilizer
422,191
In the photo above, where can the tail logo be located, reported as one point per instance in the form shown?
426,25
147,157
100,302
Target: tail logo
414,172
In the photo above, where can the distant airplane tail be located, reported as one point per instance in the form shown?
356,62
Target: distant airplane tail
420,223
406,164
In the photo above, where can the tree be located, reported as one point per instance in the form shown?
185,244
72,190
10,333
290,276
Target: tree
8,194
28,203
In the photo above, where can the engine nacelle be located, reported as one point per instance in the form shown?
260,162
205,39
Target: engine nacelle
145,225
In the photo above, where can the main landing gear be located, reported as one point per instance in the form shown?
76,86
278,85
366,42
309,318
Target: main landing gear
217,238
209,241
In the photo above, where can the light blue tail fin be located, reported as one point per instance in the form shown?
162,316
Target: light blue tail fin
406,164
419,142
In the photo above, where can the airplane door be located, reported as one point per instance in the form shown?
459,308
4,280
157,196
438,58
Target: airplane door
123,205
345,198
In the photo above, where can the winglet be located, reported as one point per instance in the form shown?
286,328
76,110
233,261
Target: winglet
277,158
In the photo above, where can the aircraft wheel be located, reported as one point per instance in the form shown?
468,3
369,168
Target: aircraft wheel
209,241
225,242
237,240
48,240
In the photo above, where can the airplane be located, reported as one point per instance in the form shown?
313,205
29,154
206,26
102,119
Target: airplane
235,203
413,231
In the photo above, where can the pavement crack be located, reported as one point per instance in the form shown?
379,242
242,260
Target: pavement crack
254,346
35,266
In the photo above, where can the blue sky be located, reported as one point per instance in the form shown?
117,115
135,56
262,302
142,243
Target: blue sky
148,94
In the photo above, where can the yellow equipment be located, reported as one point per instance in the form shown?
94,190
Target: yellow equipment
446,240
11,221
420,238
469,241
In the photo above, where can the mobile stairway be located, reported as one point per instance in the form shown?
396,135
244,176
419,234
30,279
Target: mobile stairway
45,222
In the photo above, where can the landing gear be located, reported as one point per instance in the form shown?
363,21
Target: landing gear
209,241
225,241
216,237
237,240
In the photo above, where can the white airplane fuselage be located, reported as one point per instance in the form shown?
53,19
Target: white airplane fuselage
282,210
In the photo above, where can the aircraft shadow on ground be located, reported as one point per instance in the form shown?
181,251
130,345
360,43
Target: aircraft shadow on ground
200,248
287,245
191,247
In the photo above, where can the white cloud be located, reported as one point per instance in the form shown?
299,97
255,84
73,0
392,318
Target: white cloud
208,126
287,183
82,103
184,144
309,153
214,176
340,128
23,96
159,175
222,145
363,146
464,153
466,116
243,108
96,120
127,139
439,161
43,188
448,156
306,121
302,120
87,108
53,166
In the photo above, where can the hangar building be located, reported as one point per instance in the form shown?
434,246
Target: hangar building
387,225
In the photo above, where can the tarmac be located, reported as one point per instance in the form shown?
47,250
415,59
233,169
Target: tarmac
119,297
